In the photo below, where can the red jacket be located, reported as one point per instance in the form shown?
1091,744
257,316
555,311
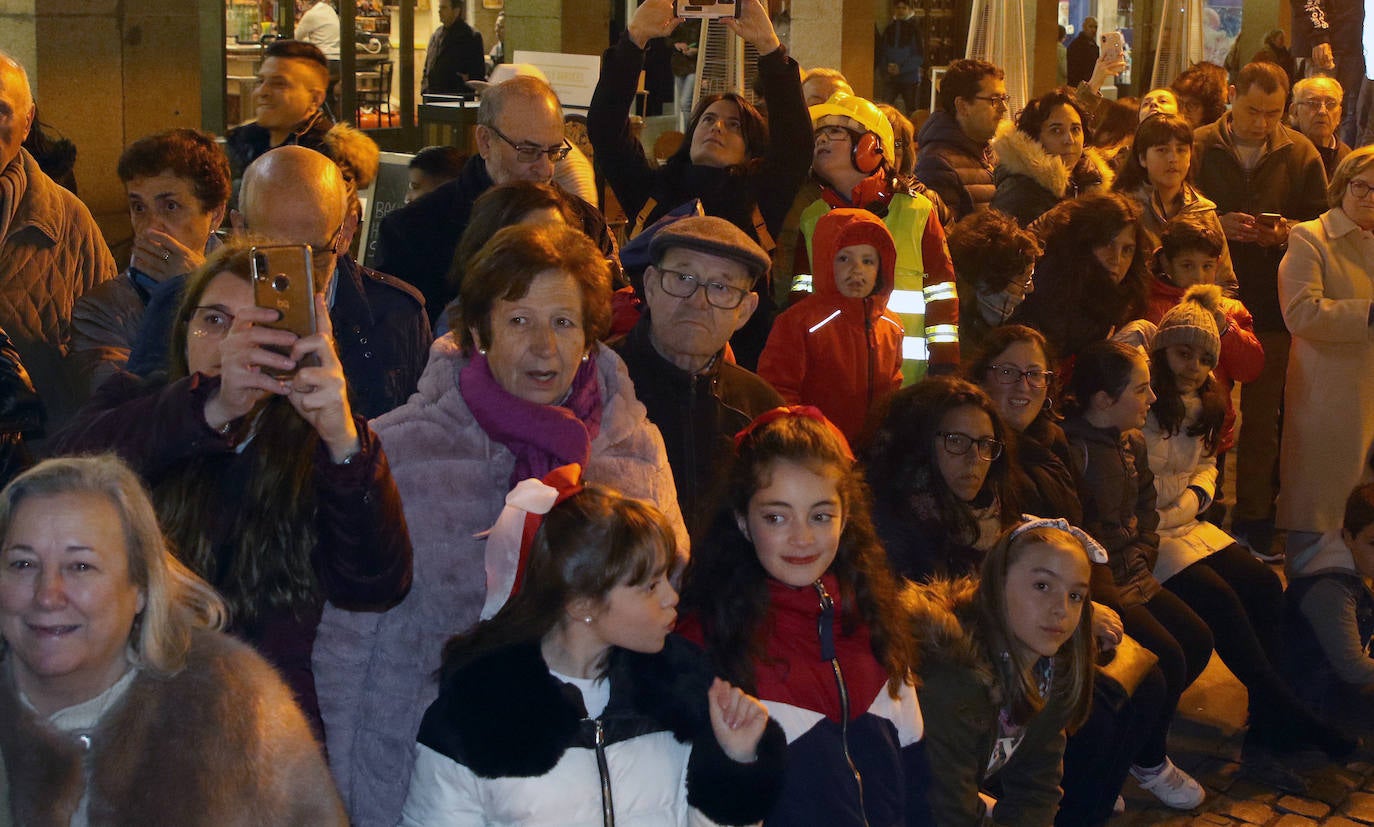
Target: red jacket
840,354
1241,358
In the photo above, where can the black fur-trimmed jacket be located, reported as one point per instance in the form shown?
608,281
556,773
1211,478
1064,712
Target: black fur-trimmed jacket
506,742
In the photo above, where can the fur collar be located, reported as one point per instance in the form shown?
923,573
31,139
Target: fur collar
942,613
1020,154
505,714
220,742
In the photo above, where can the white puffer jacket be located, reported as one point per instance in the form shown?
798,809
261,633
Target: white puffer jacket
1178,462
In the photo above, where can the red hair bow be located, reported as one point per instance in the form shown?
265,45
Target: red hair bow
804,411
510,539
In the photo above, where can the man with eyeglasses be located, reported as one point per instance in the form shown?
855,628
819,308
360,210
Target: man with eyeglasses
1317,114
698,292
1263,177
293,195
953,157
519,138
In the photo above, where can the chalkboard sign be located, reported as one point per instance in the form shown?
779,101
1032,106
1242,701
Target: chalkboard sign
387,193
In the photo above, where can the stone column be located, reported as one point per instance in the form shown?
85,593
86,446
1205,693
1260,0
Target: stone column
837,34
106,72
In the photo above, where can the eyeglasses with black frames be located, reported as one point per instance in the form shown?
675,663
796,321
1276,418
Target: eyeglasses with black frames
1010,374
682,285
958,444
528,153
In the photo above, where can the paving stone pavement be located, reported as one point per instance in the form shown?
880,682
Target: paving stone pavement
1206,740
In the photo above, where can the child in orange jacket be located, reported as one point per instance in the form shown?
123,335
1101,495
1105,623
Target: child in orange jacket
840,348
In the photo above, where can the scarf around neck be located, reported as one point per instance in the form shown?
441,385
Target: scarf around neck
542,437
13,183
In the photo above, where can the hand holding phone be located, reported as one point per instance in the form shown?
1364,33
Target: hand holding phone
319,392
705,9
284,280
1271,230
1113,47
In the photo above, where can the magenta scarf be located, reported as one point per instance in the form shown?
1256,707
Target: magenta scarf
542,437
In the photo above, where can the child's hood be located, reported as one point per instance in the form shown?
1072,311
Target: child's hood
845,227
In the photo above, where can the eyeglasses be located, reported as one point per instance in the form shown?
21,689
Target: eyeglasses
210,322
1329,104
682,285
1011,374
832,132
330,247
528,153
995,100
957,443
1359,188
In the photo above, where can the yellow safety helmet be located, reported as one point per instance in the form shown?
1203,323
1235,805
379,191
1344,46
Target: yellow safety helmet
861,110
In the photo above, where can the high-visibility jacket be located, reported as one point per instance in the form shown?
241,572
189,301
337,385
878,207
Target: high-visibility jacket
923,293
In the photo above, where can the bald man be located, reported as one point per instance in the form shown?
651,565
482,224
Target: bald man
519,138
51,253
288,103
293,195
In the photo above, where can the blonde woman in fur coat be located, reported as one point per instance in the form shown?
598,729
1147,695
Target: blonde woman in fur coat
1043,161
119,702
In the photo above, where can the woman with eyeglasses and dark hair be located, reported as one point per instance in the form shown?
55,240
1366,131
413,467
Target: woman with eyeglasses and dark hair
267,483
1013,368
940,473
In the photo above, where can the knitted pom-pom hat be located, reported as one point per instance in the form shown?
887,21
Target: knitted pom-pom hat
1193,321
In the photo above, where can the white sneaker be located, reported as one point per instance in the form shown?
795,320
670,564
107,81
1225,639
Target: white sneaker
1171,785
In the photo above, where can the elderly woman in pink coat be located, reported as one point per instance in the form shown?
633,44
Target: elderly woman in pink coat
519,387
1326,290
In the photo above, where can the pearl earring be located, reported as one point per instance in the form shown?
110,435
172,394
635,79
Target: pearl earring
586,356
586,620
482,351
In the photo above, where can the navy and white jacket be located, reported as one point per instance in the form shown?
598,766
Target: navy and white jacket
506,742
855,754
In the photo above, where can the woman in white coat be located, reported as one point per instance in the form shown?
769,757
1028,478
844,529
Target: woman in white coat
1326,290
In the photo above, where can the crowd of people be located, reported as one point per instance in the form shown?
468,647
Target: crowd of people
870,474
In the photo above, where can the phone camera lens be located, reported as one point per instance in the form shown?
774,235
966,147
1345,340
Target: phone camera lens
281,283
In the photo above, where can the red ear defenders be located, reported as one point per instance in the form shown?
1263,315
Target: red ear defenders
866,153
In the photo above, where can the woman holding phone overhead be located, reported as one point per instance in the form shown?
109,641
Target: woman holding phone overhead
744,166
272,489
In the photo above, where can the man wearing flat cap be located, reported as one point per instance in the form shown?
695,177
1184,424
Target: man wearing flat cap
697,292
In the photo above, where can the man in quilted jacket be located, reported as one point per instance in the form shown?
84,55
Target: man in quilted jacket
51,252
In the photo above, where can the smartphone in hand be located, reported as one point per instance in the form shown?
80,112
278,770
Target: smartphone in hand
1113,47
284,280
706,9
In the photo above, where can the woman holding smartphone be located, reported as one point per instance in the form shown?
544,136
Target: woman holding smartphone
744,166
272,489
